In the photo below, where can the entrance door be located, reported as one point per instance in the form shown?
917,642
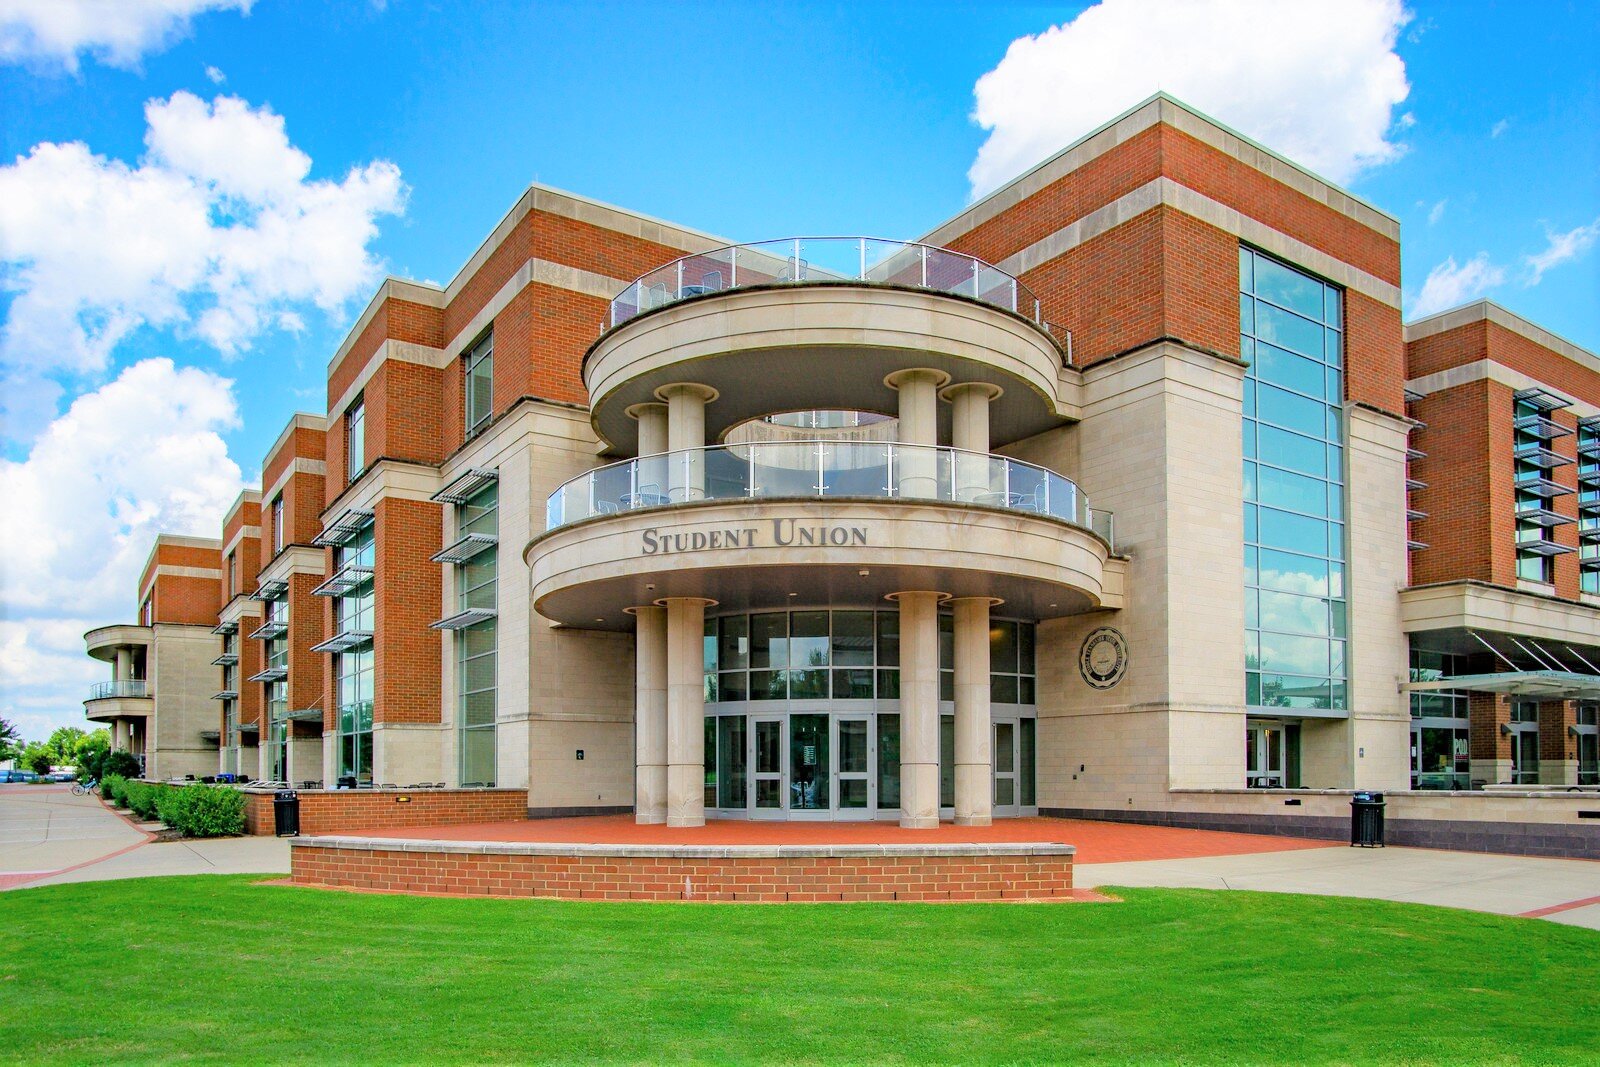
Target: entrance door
1589,744
1525,742
854,782
810,780
1263,755
766,742
1004,755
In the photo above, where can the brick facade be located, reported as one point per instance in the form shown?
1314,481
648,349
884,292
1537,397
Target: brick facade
687,876
347,811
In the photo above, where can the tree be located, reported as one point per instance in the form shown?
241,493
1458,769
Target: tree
38,757
91,755
10,741
64,743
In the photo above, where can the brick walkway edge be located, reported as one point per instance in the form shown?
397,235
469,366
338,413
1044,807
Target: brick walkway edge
745,873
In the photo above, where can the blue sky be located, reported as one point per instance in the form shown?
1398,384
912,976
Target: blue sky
1472,122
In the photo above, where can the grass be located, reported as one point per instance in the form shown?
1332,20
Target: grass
220,968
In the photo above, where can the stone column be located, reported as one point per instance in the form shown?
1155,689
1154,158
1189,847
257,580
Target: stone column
974,747
123,671
686,431
650,715
651,482
919,425
686,739
975,473
919,708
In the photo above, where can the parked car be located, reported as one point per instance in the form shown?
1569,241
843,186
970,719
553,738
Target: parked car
18,776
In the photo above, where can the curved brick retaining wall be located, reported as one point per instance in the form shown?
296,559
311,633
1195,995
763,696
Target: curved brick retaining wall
754,873
342,811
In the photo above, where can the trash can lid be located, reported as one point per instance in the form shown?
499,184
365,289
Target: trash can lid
286,794
1361,797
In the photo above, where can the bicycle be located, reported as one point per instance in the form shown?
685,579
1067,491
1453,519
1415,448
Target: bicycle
83,789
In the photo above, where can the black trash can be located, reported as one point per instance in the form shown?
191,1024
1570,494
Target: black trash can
286,813
1366,820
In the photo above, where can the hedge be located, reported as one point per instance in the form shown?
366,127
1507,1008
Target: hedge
141,798
113,788
202,810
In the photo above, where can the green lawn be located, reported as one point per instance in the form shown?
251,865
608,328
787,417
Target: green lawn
223,969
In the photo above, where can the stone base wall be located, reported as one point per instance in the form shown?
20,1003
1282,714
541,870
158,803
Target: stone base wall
337,811
757,874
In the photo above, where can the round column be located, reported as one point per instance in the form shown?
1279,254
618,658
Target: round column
123,670
650,485
686,435
974,747
686,739
650,715
919,708
975,473
919,425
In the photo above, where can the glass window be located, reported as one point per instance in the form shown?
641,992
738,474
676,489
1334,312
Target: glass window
355,439
1293,479
477,660
478,383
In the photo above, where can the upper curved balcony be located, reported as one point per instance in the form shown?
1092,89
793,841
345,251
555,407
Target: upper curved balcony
103,642
812,260
821,324
805,470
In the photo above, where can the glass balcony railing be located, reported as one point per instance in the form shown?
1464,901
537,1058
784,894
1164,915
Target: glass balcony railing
134,687
802,260
824,469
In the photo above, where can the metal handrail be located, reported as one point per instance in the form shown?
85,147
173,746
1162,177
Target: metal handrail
131,687
803,260
803,470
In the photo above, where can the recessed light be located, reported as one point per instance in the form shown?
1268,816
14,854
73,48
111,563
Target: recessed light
599,620
650,585
794,594
863,572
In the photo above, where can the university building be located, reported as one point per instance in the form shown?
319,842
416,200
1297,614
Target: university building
1124,493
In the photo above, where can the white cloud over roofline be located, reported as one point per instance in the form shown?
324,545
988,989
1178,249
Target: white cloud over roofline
1317,80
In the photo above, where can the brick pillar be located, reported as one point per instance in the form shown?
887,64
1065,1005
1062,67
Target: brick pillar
1490,748
1558,749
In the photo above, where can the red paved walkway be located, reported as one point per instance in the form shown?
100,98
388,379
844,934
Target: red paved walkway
1097,842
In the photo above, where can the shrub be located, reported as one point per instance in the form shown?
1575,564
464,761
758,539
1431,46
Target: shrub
203,810
112,788
142,799
122,763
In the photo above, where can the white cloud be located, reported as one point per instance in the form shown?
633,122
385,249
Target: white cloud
1436,212
141,455
215,75
1562,247
218,232
1450,284
1500,127
1317,80
118,33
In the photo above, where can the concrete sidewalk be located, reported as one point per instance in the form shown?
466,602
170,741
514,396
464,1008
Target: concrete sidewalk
50,837
1565,891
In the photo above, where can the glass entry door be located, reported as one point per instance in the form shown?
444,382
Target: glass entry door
853,743
1525,742
766,739
1005,758
1263,755
809,778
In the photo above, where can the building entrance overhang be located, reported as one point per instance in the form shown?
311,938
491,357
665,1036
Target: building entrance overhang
756,556
1545,685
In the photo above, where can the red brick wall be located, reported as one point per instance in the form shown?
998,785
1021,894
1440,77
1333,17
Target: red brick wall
1374,353
394,320
305,630
183,599
347,811
1555,716
775,880
404,419
1485,713
408,597
1468,529
252,659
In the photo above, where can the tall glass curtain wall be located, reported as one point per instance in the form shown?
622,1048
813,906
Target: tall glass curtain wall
830,680
476,582
1589,505
1294,471
1440,758
277,694
354,615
